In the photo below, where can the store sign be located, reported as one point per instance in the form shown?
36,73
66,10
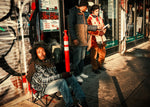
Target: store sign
49,25
48,5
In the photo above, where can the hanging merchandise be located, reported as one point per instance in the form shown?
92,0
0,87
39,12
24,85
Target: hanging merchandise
139,24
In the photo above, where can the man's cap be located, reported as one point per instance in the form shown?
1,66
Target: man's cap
82,3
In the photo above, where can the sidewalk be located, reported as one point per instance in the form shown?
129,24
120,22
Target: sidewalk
125,83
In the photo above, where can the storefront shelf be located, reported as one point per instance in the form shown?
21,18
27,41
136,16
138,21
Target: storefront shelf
111,44
130,39
139,36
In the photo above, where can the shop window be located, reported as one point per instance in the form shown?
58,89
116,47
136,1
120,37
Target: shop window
108,13
130,21
139,25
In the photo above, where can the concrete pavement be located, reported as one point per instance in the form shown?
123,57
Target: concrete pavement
125,83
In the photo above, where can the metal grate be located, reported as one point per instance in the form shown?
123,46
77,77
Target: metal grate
11,51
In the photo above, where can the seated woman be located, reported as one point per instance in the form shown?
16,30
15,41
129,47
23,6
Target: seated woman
44,77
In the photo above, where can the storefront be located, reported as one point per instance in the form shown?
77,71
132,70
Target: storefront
111,12
129,20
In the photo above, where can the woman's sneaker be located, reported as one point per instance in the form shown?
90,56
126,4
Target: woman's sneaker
79,79
84,75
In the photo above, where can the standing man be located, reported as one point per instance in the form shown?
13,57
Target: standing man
78,32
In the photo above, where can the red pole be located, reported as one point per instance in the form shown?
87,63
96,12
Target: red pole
42,35
66,51
33,7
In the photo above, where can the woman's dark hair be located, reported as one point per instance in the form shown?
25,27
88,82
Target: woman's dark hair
43,45
94,7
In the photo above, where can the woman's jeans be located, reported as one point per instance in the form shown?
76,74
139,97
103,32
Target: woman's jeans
78,59
63,86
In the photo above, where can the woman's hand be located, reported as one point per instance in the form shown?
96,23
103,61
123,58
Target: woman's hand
99,27
101,33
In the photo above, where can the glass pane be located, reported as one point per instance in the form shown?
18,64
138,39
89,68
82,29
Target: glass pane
130,21
139,25
108,13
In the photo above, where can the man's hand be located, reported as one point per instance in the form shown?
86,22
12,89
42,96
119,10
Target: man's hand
66,74
75,42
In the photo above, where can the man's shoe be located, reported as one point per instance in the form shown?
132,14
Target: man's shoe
82,104
96,71
84,75
74,106
102,68
79,79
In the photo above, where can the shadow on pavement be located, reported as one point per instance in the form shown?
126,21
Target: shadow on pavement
119,92
139,53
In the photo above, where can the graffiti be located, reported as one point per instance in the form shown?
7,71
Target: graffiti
8,36
8,43
25,18
4,78
4,65
13,14
2,96
11,58
9,13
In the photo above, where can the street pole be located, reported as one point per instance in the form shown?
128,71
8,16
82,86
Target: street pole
135,20
117,24
144,12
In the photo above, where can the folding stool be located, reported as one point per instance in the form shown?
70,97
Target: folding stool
36,97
